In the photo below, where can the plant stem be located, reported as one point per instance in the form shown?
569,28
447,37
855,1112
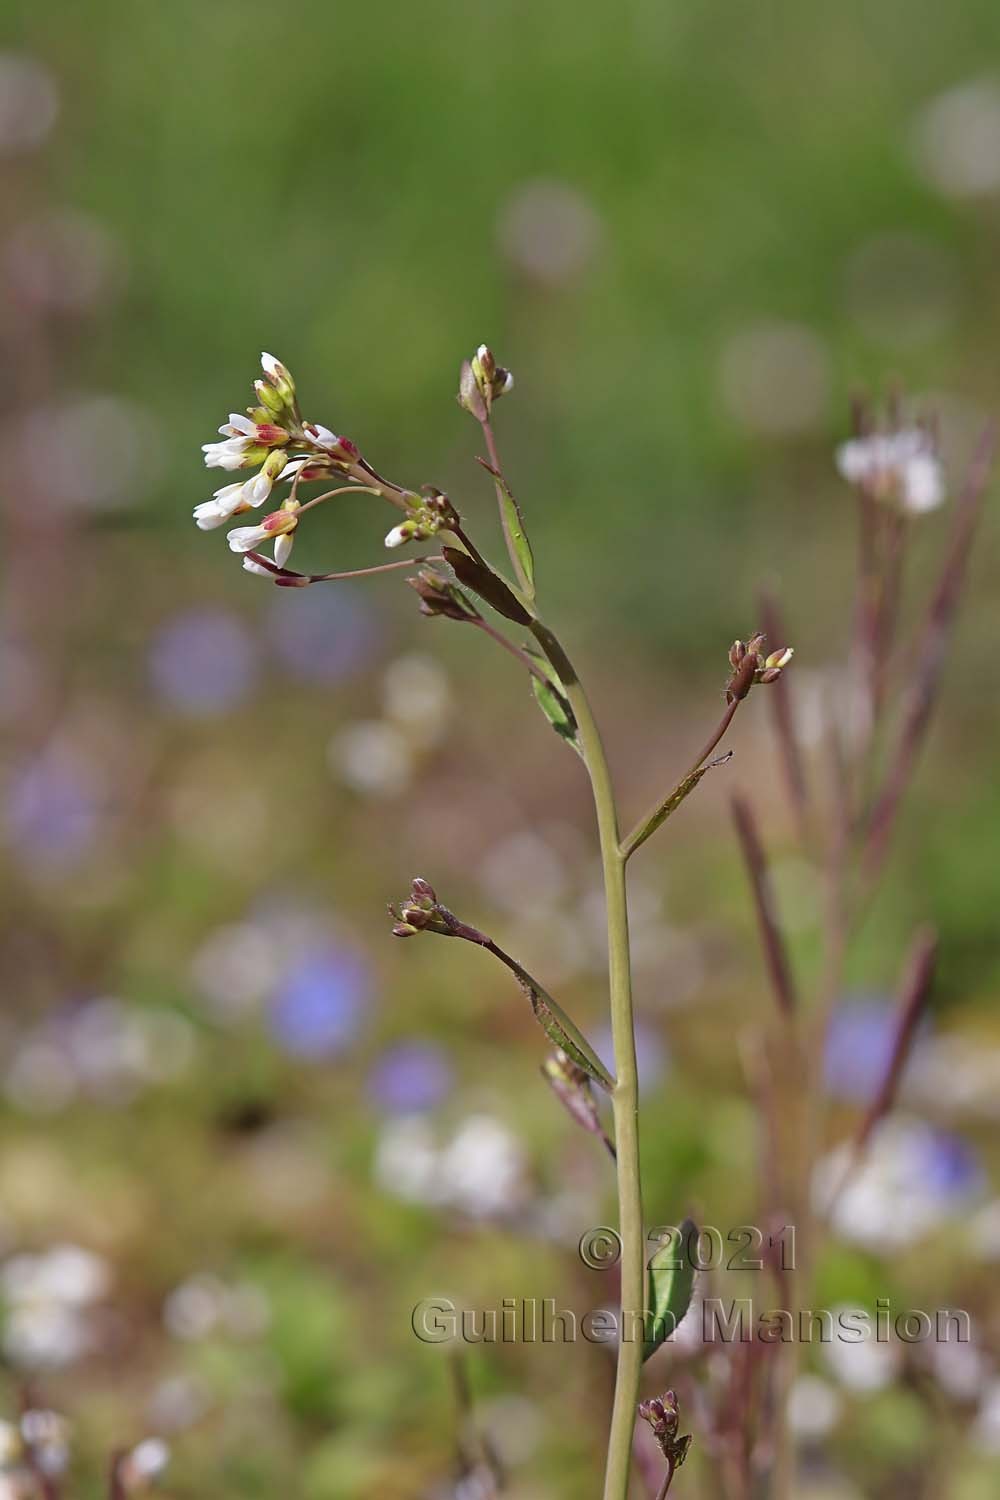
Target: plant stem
515,651
625,1098
719,731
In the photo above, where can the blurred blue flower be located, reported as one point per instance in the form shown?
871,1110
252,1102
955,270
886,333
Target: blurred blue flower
319,1005
410,1077
52,809
858,1047
323,634
202,662
652,1055
951,1167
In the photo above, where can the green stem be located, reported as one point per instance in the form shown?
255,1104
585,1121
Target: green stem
625,1098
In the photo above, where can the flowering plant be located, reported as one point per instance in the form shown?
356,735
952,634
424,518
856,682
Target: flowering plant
897,474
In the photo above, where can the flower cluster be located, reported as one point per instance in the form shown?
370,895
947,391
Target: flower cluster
281,448
482,381
273,439
899,468
663,1415
750,665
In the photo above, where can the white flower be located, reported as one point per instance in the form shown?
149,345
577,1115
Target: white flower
274,527
257,489
228,455
398,535
272,367
902,466
283,548
251,565
247,538
227,502
238,426
323,436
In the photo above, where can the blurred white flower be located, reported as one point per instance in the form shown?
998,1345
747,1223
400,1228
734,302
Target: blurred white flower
145,1462
515,1427
957,1073
235,968
40,1078
100,452
47,1433
911,1181
205,1304
48,1296
178,1402
814,1407
956,139
64,260
45,1335
406,1160
902,467
481,1171
986,1428
549,230
29,103
417,697
484,1168
960,1369
63,1273
523,870
775,377
371,757
866,1365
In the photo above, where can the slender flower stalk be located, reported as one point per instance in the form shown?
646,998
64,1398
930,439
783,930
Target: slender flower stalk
294,452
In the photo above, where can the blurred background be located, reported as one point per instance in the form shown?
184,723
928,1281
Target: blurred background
243,1131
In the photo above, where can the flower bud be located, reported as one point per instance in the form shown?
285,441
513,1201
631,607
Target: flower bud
271,435
663,1415
269,398
279,377
439,596
481,382
750,665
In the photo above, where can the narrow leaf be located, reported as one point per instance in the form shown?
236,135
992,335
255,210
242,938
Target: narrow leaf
514,533
553,702
560,1030
670,1284
670,804
487,584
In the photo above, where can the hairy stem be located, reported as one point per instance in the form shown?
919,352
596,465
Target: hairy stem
625,1098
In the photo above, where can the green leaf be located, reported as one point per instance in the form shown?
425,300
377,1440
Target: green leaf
514,533
553,702
670,1277
670,804
487,584
561,1030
